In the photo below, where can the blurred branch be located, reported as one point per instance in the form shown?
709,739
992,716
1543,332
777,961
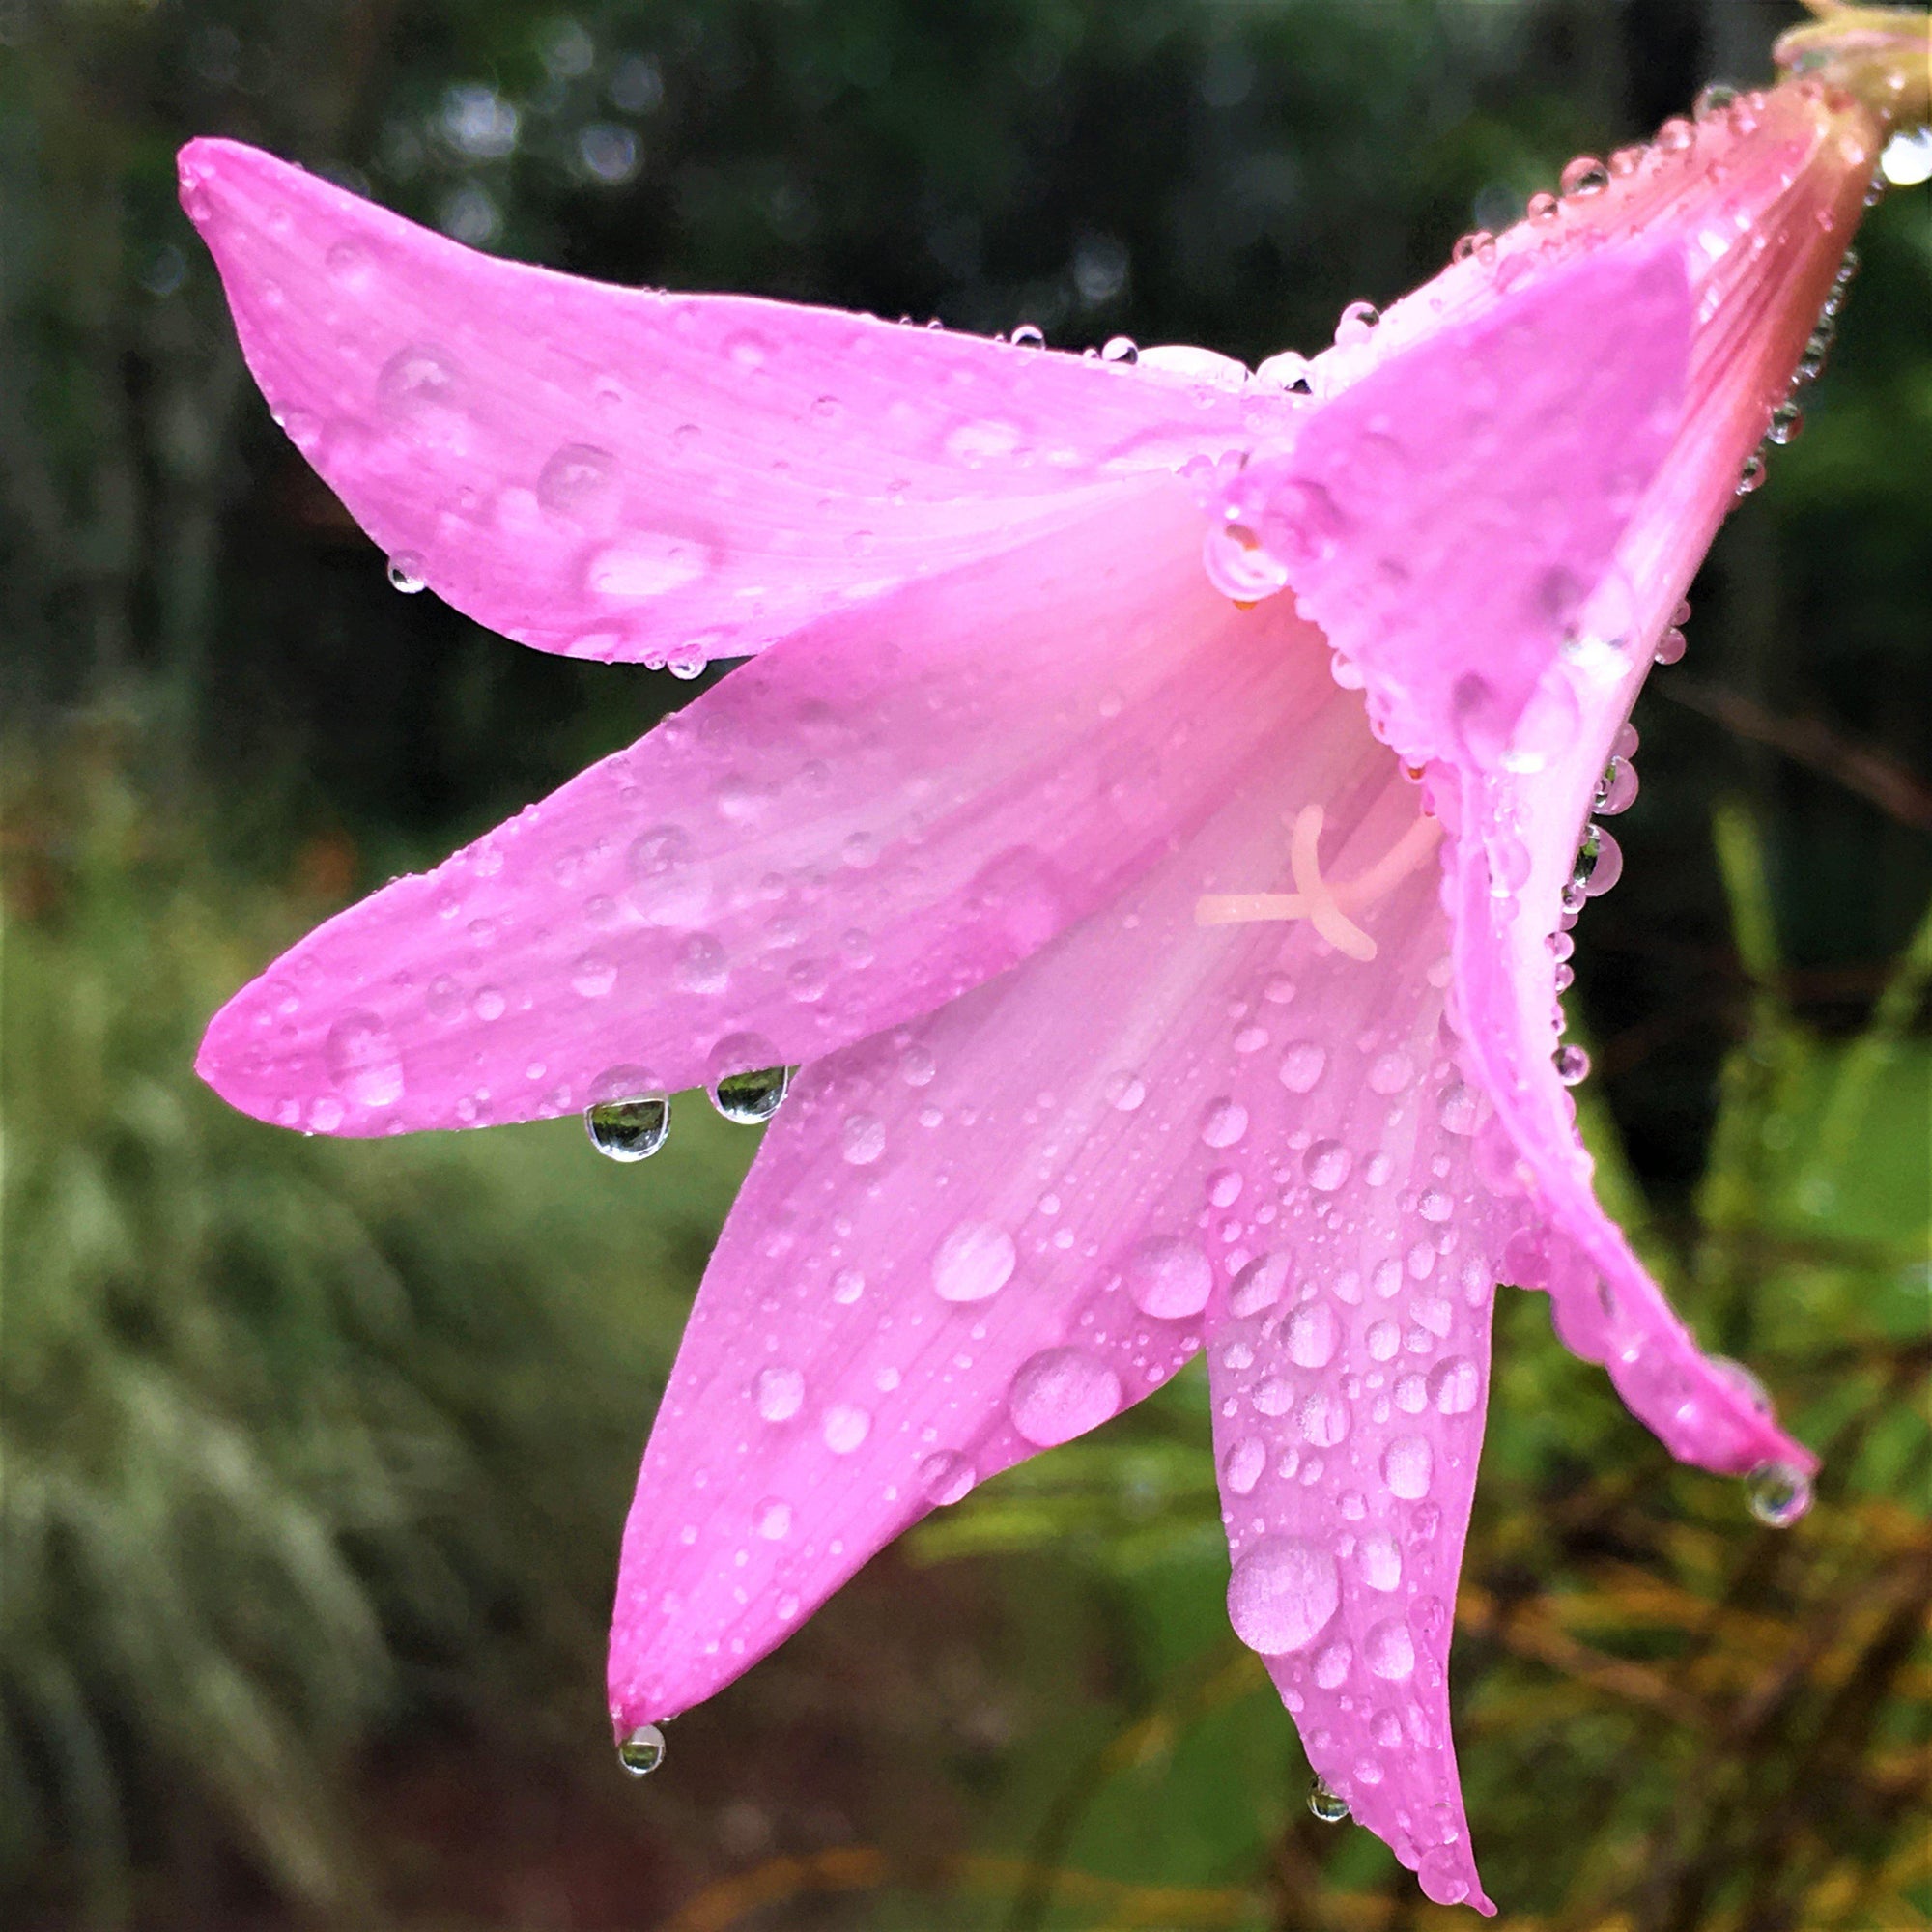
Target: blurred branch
1815,744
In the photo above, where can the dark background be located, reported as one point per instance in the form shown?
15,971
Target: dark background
315,1454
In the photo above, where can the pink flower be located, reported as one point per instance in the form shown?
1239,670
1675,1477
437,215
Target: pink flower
1171,955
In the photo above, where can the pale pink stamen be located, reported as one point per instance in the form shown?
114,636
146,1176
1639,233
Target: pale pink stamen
1325,906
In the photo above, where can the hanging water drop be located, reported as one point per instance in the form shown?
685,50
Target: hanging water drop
750,1099
1752,475
1787,419
1586,175
406,573
1572,1064
1327,1803
1616,789
630,1130
1777,1493
641,1750
1712,101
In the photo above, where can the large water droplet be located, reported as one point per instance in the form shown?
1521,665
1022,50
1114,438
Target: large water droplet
1224,1123
1441,1876
1283,1594
406,573
862,1139
1779,1494
629,1129
1302,1066
946,1477
1326,1164
1242,1466
845,1427
362,1061
641,1750
1572,1064
750,1100
1389,1651
1169,1278
1455,1385
1312,1334
1327,1803
1060,1393
779,1393
976,1259
1239,565
1120,349
1381,1558
1407,1466
579,482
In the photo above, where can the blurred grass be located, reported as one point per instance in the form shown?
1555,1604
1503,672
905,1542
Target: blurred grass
297,1439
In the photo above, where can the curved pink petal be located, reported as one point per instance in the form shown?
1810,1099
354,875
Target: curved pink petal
860,824
1523,732
1349,1363
985,1232
631,473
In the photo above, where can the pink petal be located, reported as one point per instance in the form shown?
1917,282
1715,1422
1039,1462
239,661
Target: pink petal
1445,520
986,1231
898,803
629,473
1761,205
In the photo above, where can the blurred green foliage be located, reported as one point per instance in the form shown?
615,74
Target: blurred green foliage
315,1454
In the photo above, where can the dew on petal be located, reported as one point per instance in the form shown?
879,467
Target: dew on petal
362,1060
1259,1284
1060,1393
1327,1165
1302,1066
1313,1332
975,1261
1389,1651
862,1139
1455,1385
1169,1278
1283,1594
1380,1559
1409,1465
1326,1804
845,1428
1224,1124
946,1477
1242,1466
779,1393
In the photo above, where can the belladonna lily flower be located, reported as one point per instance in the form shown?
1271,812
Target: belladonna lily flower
1151,819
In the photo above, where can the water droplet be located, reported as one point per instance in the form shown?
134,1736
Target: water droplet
1712,101
1745,1382
1357,322
1283,1594
1224,1123
845,1428
1239,565
1381,1558
1029,335
629,1129
946,1477
1670,647
1543,208
1455,1385
975,1261
405,570
1777,1493
1389,1651
1409,1465
751,1098
362,1061
579,482
1752,475
1326,1804
1616,789
1473,244
1060,1393
773,1520
1120,349
1326,1164
641,1750
1787,421
847,1286
1302,1066
1259,1285
779,1393
1324,1420
1440,1873
1242,1466
863,1139
1586,175
700,966
1312,1335
1600,862
1123,1092
593,975
1169,1278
